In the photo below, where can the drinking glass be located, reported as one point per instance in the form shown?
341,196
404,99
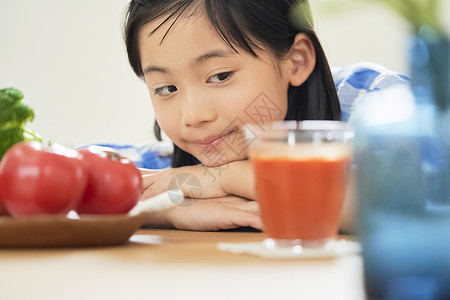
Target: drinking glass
301,171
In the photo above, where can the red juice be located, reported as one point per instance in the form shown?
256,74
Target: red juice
300,198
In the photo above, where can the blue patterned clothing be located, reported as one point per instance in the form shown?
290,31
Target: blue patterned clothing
354,82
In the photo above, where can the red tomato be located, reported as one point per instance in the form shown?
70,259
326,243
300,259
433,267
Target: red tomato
38,180
3,210
114,182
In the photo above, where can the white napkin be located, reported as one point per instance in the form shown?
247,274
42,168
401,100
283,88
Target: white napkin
332,249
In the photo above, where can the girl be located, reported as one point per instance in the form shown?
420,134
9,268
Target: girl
210,67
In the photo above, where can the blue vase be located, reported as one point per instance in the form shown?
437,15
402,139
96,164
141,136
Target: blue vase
403,180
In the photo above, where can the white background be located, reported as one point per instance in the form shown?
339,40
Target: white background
69,60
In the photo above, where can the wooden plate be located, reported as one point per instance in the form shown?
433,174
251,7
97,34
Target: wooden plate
86,231
59,231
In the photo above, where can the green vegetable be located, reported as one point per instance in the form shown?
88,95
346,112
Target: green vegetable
14,115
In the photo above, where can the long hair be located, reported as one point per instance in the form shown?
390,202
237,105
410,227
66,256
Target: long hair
267,25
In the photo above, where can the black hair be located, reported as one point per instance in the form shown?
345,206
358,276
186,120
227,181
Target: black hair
267,25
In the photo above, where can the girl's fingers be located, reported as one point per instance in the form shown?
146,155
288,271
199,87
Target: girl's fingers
252,206
242,213
148,193
241,203
245,218
192,181
149,180
154,184
216,213
148,171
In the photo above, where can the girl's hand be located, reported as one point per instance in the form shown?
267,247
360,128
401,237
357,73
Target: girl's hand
149,171
194,181
210,214
200,181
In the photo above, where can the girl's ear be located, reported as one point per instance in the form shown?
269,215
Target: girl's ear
302,59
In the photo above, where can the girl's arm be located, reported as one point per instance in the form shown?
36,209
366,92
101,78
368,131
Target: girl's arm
217,198
239,179
209,214
200,181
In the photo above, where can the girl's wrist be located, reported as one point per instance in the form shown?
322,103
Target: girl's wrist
225,179
238,180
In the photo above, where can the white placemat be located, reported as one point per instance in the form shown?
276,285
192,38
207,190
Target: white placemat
332,249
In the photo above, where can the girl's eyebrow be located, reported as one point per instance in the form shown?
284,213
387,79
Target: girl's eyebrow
212,54
150,69
197,61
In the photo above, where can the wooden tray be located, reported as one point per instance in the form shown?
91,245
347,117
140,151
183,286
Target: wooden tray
55,231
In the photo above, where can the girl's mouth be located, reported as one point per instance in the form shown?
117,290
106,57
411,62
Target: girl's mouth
213,141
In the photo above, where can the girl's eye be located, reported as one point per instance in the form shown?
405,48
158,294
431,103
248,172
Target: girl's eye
219,78
165,90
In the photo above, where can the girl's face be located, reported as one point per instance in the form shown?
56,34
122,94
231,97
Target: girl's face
203,92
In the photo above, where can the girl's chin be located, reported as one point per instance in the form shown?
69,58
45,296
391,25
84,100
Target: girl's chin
220,161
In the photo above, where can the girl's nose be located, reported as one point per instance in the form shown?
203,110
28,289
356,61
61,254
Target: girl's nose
198,111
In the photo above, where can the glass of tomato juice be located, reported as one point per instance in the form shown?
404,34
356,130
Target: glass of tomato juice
301,171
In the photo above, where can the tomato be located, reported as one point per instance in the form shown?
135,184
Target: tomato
3,210
114,182
41,180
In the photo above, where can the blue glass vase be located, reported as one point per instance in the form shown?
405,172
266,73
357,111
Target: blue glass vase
403,180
